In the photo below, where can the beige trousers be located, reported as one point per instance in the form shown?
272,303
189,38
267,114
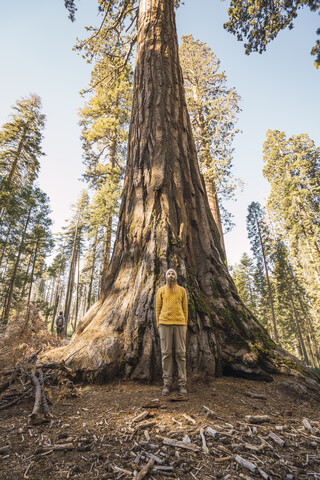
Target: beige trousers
169,335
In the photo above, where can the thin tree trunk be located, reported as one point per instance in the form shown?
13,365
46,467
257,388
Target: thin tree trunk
70,283
106,250
14,273
210,185
275,331
3,248
31,278
94,247
77,295
55,312
106,247
296,317
312,335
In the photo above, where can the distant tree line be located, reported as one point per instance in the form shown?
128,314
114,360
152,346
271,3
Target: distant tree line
281,283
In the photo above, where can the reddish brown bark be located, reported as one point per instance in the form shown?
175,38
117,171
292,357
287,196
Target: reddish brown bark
165,221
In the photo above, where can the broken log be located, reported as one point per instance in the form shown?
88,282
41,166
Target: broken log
145,470
44,402
276,439
245,463
176,443
34,416
141,416
205,449
258,418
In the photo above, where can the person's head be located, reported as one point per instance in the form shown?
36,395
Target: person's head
171,276
61,312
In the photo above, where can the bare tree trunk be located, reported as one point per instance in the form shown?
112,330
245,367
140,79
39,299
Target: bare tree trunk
210,185
95,242
77,296
70,283
296,317
274,324
165,221
215,210
4,246
31,279
15,269
106,249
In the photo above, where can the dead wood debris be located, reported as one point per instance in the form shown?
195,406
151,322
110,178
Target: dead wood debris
185,446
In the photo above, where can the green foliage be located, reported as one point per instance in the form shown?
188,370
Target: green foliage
260,22
244,278
292,168
25,242
213,109
20,151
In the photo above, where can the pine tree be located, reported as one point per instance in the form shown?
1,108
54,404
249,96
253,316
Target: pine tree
213,109
20,150
30,245
74,235
260,238
105,123
292,168
243,275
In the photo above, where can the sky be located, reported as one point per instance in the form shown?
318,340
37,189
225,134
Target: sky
279,90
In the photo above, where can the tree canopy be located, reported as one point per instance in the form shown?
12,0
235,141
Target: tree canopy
259,22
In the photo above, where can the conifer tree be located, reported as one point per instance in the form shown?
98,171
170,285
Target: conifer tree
259,235
20,150
243,275
213,109
292,167
31,244
74,235
105,122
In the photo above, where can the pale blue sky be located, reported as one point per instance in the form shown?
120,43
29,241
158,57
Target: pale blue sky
279,90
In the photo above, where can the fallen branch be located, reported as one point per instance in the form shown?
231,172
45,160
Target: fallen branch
62,447
146,469
258,418
176,443
44,402
34,416
245,463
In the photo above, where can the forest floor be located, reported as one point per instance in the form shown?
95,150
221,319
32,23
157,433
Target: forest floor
112,431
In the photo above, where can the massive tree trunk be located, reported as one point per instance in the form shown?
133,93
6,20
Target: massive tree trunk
165,221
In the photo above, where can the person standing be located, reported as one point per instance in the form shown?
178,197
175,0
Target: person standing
60,323
172,319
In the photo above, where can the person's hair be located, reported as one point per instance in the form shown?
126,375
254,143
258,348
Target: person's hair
61,312
171,270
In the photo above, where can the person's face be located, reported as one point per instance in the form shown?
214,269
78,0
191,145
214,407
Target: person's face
171,277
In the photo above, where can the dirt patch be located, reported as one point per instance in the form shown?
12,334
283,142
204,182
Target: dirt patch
93,433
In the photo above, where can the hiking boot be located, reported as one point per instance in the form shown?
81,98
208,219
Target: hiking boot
166,390
183,391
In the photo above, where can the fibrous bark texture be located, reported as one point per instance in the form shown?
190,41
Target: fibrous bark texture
165,221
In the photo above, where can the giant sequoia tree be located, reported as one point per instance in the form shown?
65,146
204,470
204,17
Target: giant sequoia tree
165,221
